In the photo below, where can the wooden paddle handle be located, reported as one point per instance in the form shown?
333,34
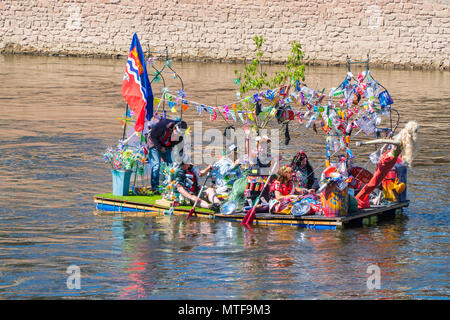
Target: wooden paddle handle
387,141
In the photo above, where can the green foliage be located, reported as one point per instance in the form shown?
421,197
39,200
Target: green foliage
254,78
295,68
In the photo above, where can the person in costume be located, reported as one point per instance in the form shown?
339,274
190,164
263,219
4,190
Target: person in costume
403,143
282,191
305,173
225,172
162,138
187,185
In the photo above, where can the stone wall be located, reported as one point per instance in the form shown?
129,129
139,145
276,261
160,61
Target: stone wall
396,33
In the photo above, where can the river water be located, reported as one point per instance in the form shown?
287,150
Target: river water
59,114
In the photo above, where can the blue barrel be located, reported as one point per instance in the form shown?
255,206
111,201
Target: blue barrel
121,182
401,175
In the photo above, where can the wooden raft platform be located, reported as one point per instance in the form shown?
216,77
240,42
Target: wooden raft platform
362,217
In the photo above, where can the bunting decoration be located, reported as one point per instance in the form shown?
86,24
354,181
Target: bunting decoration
352,104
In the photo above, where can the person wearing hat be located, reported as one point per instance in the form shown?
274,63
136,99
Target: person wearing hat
160,141
305,173
187,184
226,171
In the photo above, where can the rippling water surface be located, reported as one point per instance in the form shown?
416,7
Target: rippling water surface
58,115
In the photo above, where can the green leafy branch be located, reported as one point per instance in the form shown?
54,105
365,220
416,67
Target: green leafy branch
254,78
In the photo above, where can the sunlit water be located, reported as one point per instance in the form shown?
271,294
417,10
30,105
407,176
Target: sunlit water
58,115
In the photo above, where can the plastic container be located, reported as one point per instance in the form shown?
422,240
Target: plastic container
402,172
334,201
228,207
302,207
385,99
121,182
388,180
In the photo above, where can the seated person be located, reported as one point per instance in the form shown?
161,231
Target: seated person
282,190
186,183
225,172
305,173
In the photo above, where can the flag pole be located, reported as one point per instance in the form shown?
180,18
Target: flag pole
125,125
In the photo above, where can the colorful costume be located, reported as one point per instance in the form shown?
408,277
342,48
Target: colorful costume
278,206
385,164
302,177
224,175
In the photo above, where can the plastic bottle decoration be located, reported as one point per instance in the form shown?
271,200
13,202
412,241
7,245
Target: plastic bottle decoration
385,99
366,125
226,110
233,115
284,91
312,119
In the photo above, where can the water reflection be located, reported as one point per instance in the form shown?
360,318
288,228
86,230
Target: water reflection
58,116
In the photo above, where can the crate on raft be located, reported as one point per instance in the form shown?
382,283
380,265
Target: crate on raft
255,184
147,206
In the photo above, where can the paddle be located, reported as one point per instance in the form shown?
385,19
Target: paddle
248,219
198,196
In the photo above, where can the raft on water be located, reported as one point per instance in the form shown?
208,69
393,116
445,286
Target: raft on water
150,206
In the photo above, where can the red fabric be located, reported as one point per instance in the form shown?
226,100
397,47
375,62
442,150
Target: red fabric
165,141
285,190
132,89
384,166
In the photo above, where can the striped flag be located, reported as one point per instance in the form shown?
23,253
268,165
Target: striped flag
136,88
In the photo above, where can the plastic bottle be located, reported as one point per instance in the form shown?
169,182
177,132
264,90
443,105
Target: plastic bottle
341,184
311,120
348,130
335,144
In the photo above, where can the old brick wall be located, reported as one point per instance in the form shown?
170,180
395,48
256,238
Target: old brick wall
395,33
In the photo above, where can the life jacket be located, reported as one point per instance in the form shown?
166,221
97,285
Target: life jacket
165,140
194,187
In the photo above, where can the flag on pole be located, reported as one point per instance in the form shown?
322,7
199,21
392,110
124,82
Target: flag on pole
136,88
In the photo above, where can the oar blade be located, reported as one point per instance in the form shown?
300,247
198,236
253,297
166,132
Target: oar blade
248,219
190,213
252,216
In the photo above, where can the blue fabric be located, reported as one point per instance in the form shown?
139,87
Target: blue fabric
155,156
